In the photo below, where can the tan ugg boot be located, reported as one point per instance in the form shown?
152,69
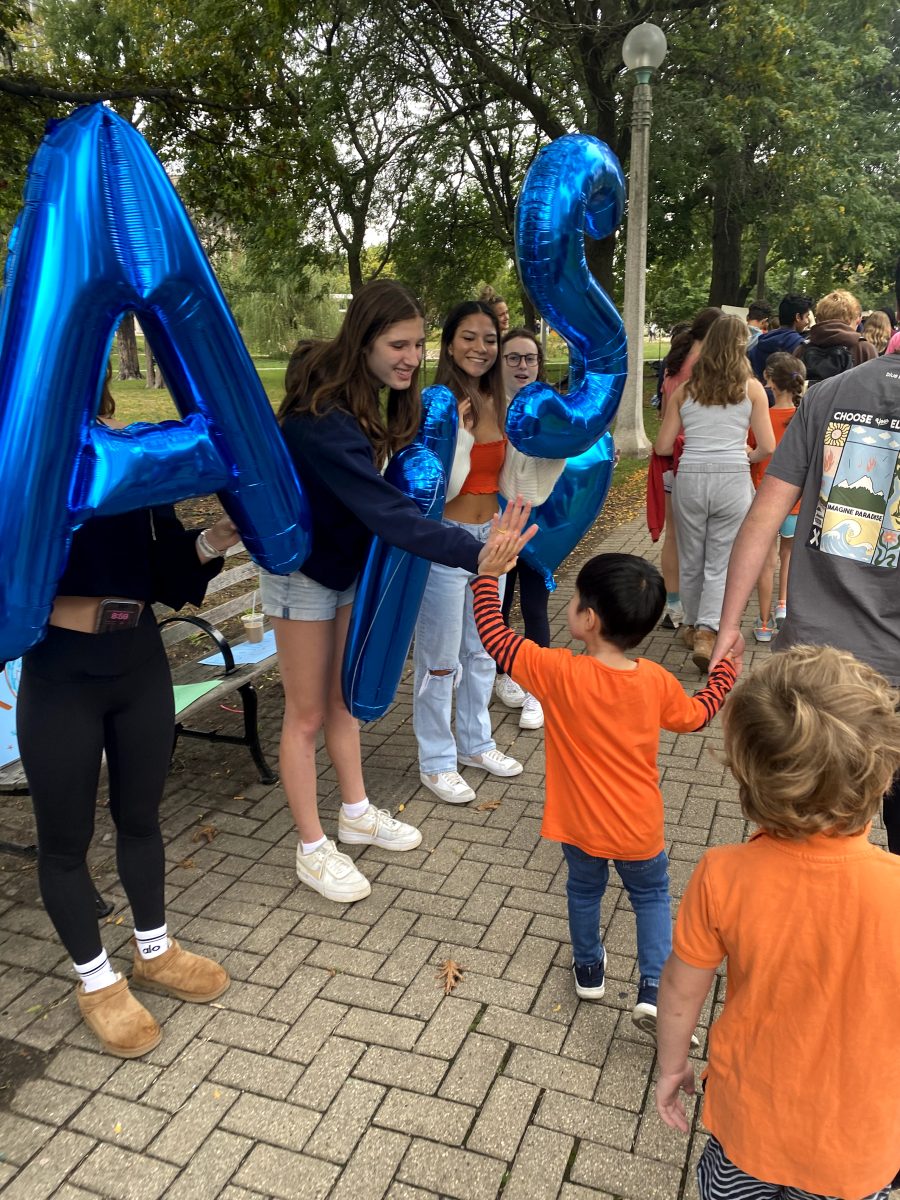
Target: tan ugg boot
704,640
181,974
121,1023
687,634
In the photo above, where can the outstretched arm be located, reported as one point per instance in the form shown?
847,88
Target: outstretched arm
773,501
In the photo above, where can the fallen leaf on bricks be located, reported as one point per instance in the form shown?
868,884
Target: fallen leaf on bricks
488,806
205,833
449,975
188,864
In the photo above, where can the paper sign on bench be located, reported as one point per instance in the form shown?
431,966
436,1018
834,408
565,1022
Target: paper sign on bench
187,693
246,652
9,687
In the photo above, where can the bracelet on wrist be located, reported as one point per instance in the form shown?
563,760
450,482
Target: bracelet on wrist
206,548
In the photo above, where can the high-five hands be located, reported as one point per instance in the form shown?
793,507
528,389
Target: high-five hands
507,537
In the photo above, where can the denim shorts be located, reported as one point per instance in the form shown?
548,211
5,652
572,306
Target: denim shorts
789,526
296,597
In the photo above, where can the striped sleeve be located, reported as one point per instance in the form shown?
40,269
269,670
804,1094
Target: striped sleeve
722,679
501,643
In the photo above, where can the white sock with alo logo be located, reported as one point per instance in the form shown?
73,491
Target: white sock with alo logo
152,943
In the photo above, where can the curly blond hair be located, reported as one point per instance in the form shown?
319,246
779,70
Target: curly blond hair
813,739
839,305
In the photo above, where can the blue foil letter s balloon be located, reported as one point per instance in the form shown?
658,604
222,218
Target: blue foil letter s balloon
574,185
393,580
102,231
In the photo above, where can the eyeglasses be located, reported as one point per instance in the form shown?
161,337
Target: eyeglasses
513,360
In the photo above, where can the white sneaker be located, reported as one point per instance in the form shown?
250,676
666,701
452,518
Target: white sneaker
494,763
332,874
449,786
532,716
376,827
508,692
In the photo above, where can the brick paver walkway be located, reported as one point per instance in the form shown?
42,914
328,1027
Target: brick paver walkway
335,1065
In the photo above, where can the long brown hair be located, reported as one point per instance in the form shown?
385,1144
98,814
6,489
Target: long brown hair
323,376
722,368
695,332
489,388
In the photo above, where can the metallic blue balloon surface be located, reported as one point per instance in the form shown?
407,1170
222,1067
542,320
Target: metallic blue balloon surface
571,508
102,231
393,581
574,186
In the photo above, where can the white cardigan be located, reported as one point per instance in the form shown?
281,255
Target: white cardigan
521,475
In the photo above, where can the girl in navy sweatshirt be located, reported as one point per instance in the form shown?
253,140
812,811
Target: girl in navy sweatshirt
340,436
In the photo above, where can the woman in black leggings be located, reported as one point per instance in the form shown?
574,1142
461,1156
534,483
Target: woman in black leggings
100,681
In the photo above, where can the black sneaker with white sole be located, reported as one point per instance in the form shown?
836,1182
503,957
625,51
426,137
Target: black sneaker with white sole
590,981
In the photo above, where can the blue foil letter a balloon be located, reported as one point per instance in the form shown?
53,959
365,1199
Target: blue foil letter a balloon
102,232
574,185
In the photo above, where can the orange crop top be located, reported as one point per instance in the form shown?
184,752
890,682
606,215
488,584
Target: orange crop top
486,463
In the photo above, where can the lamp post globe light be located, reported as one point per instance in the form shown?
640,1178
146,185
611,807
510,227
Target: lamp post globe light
643,52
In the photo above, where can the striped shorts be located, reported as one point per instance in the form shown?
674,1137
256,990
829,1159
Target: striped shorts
720,1179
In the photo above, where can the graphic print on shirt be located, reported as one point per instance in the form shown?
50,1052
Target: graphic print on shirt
858,511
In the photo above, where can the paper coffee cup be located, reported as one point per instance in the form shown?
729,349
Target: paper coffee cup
253,626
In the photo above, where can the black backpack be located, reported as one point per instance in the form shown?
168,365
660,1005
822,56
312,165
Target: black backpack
822,362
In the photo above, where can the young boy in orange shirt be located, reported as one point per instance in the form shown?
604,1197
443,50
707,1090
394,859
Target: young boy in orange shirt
803,1081
603,713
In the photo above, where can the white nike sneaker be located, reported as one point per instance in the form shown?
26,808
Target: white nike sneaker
332,874
532,715
508,692
376,827
494,763
448,786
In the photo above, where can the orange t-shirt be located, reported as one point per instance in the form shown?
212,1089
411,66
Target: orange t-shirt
601,730
803,1079
781,418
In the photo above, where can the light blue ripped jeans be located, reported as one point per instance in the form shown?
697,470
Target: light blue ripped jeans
447,640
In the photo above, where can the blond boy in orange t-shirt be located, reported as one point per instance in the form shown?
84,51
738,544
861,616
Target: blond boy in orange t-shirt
602,715
803,1084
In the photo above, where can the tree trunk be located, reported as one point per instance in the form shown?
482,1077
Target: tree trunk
761,258
725,282
529,312
126,343
599,257
354,267
154,374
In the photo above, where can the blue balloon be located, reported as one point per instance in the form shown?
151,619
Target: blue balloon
393,581
103,232
574,185
571,508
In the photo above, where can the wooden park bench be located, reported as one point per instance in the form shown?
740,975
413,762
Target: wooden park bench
199,686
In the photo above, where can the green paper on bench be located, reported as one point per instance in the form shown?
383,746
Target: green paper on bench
187,693
246,652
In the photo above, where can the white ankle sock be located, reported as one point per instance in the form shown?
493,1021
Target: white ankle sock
97,973
356,810
309,847
153,942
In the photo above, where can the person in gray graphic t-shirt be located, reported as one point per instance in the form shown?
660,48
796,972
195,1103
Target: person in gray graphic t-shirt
841,456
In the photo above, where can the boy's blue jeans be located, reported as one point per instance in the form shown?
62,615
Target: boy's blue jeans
647,883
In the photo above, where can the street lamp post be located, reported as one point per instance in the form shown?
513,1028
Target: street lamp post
642,52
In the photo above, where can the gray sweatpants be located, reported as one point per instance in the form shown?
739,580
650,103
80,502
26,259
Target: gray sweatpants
710,501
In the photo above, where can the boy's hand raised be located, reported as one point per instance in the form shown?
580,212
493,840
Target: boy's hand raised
507,537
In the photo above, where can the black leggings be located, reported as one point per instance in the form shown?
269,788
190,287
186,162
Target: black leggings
80,694
891,814
533,597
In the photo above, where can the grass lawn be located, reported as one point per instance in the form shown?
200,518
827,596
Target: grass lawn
135,402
